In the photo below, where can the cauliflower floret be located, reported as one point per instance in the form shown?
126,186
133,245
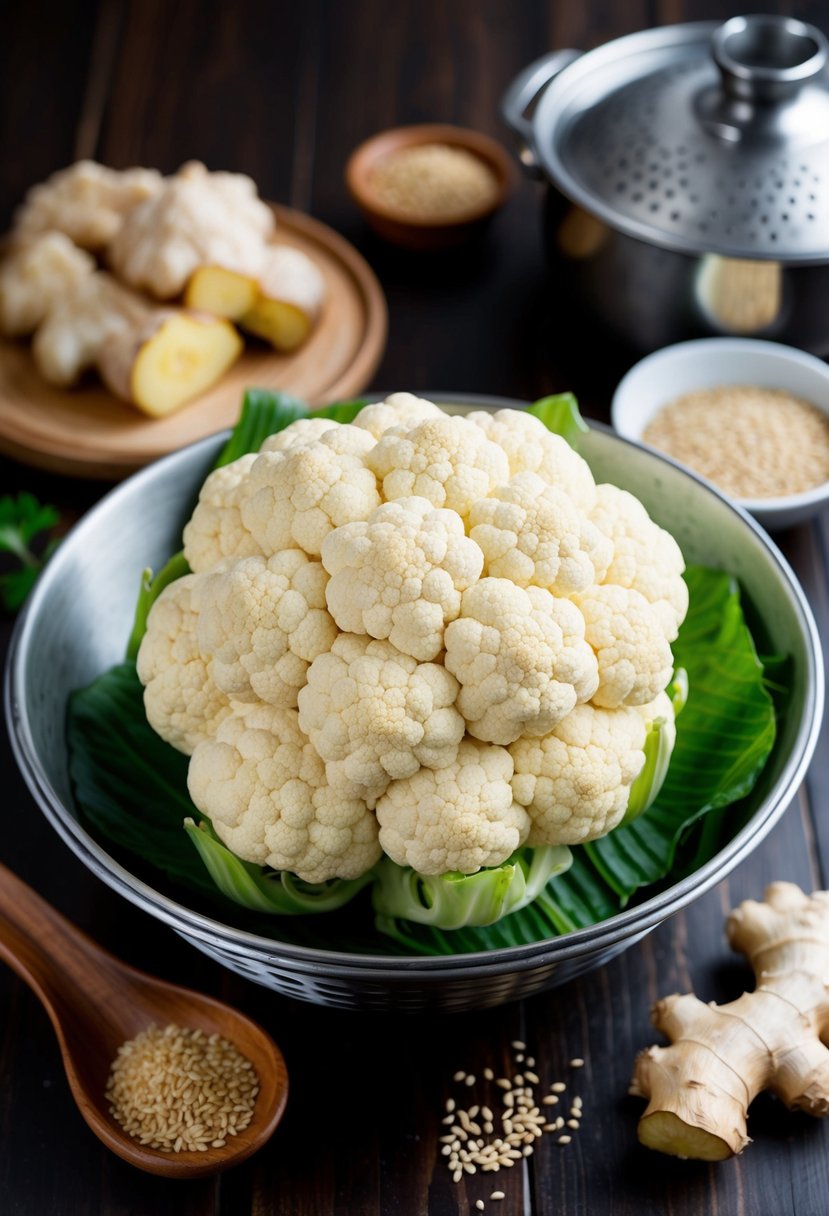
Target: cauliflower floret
400,409
215,529
263,621
635,660
298,434
197,218
374,714
461,817
533,534
521,659
294,498
575,782
181,699
264,789
645,556
399,574
87,202
447,460
531,448
34,278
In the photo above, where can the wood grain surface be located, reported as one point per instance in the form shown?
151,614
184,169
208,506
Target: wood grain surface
285,92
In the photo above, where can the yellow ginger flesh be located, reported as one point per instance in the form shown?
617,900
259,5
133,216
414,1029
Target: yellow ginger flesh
722,1056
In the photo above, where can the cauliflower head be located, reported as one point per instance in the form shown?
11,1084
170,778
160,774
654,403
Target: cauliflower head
399,574
634,656
646,558
400,409
531,448
521,660
375,715
264,789
298,434
533,534
294,497
461,817
182,701
215,530
447,460
262,622
575,781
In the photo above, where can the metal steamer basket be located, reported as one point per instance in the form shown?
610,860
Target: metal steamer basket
688,172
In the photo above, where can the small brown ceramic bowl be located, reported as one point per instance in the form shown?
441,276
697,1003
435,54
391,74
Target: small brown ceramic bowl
415,231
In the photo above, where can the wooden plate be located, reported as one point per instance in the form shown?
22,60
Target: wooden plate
86,432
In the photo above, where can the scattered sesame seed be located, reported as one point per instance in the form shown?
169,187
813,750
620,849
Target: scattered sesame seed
486,1113
577,1102
473,1110
480,1205
450,1104
574,1123
558,1087
519,1059
549,1100
531,1076
519,1045
448,1119
497,1195
470,1080
458,1174
518,1079
504,1083
459,1075
489,1075
577,1063
531,1061
564,1139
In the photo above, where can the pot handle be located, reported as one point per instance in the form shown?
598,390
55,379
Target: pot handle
522,93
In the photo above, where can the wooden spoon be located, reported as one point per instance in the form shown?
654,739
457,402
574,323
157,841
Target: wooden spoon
96,1003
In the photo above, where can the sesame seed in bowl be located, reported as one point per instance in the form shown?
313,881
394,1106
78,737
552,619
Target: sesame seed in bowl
750,416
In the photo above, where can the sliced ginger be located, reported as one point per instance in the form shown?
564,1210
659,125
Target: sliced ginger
722,1056
173,358
280,304
221,292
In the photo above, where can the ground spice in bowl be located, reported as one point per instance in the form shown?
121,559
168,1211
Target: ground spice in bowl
175,1089
752,442
434,181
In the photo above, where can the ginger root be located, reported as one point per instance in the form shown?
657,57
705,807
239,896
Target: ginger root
87,202
722,1056
197,218
156,358
280,303
35,276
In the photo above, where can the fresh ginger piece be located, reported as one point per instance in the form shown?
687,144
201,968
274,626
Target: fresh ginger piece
221,292
86,201
283,325
70,339
35,276
171,359
197,219
722,1056
291,296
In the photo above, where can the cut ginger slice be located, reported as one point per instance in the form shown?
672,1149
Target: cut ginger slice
281,304
174,358
283,325
221,292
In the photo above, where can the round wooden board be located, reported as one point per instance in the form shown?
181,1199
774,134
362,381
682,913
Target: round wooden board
86,432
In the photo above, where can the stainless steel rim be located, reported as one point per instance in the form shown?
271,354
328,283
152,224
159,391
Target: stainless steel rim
633,921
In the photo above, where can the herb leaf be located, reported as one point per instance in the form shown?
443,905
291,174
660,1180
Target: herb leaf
23,520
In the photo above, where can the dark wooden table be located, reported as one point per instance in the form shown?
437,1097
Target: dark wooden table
283,92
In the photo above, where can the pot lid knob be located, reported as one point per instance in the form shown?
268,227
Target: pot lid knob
767,58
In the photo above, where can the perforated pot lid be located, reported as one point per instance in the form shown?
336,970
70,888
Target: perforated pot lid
701,138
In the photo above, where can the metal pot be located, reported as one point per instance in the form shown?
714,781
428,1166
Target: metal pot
688,172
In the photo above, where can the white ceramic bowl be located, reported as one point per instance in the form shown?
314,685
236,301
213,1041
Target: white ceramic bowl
708,363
